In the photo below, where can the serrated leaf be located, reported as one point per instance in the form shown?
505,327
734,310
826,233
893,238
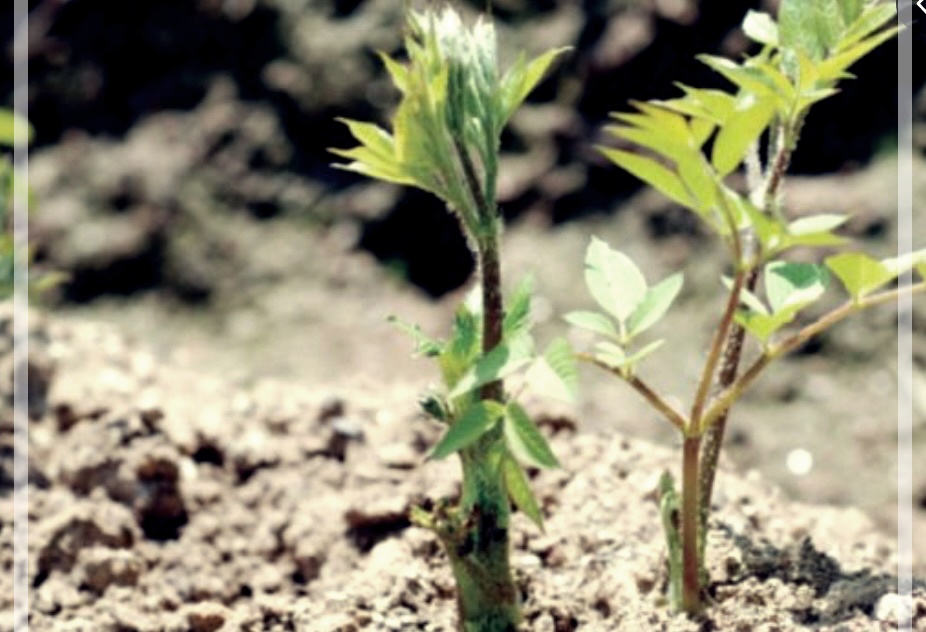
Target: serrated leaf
503,360
524,439
519,491
555,374
475,422
760,27
657,301
613,279
789,284
424,344
517,316
650,172
593,321
464,344
859,273
744,126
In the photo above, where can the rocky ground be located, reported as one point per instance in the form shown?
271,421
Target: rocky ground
165,499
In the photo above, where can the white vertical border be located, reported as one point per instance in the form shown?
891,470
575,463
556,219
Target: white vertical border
905,318
20,320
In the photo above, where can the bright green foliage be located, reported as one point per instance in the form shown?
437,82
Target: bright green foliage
861,274
618,286
465,369
686,148
524,440
804,55
452,96
472,424
789,287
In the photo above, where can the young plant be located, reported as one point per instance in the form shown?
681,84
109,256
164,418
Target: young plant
691,144
445,139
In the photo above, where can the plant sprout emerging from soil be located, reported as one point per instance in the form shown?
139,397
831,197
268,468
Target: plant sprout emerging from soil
691,144
445,139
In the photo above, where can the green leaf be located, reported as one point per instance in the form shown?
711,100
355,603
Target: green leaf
904,263
520,492
397,71
748,78
610,354
554,374
424,344
475,422
871,19
789,284
521,79
763,326
503,360
517,316
593,321
617,358
657,301
760,27
859,273
833,68
463,347
9,121
613,279
650,172
768,228
822,223
524,439
803,25
745,125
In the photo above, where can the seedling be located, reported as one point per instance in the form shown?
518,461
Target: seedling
691,144
445,139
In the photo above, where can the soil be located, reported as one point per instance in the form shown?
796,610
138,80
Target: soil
224,433
165,499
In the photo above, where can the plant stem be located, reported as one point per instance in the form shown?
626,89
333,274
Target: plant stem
734,391
479,548
492,309
691,543
719,344
713,434
674,417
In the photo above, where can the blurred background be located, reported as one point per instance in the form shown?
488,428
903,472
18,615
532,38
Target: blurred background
182,182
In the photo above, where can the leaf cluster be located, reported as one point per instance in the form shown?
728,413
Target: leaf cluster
630,305
454,105
464,369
